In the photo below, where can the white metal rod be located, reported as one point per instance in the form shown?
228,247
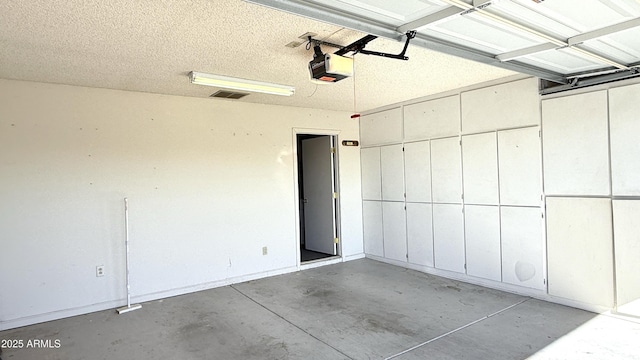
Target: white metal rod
126,244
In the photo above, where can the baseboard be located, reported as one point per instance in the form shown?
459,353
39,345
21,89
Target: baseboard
61,314
539,294
354,257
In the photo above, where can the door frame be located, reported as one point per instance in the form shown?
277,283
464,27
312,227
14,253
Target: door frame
296,193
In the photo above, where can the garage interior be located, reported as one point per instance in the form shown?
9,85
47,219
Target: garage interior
477,200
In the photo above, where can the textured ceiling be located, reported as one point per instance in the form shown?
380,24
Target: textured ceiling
151,46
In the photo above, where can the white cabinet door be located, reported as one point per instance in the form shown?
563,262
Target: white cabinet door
448,237
432,119
576,144
380,128
417,170
395,231
625,147
371,175
446,171
510,105
519,167
392,164
522,246
480,169
419,234
580,248
627,241
372,228
482,234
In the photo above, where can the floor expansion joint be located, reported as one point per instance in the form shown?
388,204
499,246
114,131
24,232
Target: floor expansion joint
456,330
289,322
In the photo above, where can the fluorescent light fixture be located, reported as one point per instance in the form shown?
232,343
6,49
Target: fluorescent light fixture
227,82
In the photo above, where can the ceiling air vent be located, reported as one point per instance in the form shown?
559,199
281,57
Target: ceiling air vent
228,94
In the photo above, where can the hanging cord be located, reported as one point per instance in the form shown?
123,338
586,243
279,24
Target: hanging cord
354,85
355,111
314,91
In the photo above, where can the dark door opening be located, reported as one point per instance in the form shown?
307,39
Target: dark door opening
317,196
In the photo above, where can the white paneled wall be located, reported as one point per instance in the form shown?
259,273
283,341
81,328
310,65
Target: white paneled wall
395,230
381,128
510,105
371,175
482,230
446,171
580,249
443,183
480,163
448,237
420,234
432,119
392,164
627,250
417,171
520,166
522,250
372,227
591,173
498,186
625,147
576,144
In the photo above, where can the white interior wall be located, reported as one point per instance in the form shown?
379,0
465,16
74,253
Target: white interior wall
209,184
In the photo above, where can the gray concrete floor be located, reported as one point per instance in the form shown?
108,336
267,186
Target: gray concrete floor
357,310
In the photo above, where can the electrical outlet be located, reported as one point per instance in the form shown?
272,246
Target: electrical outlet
99,270
264,250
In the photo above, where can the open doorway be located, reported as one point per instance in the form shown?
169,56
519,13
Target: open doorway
317,196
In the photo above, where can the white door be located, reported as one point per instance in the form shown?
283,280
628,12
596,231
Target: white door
318,189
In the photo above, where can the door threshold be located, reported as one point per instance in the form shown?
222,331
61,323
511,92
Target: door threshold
321,262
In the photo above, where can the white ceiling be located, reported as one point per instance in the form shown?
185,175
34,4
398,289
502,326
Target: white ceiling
151,46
